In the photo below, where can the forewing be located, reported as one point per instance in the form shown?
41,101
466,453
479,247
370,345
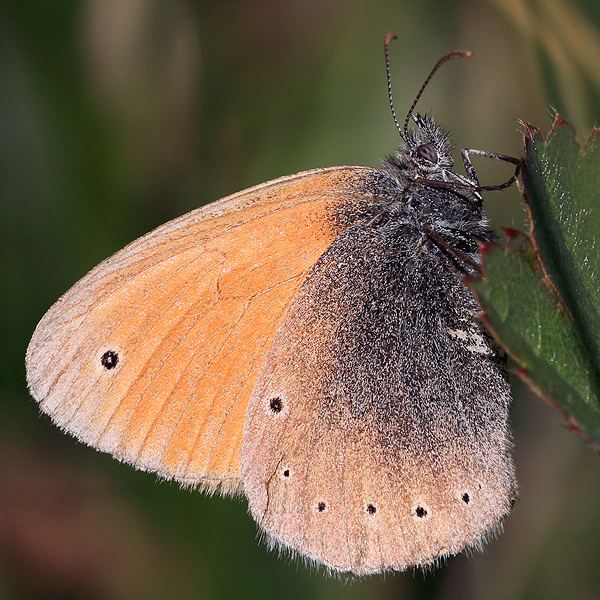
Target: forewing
189,311
376,437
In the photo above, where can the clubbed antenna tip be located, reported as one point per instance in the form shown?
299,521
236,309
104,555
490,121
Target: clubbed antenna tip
392,36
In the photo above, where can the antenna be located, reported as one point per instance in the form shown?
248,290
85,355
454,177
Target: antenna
446,57
386,45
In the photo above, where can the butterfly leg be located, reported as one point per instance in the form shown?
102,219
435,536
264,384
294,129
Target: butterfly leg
466,152
473,185
441,243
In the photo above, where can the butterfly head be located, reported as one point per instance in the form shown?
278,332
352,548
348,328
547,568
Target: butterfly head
425,150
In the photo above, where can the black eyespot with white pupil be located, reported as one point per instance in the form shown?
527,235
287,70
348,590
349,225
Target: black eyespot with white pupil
276,405
427,151
109,360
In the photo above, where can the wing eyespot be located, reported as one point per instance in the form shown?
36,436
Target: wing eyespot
285,473
276,405
109,360
421,512
322,507
371,509
466,498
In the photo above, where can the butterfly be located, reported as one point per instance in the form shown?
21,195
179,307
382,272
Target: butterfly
309,343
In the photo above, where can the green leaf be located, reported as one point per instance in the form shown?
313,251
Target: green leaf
541,296
562,191
527,319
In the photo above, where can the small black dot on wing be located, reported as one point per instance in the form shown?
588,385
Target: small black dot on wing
109,360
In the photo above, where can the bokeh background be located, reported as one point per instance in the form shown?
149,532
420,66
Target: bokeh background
117,115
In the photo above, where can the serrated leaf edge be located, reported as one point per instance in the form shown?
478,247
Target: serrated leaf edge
570,422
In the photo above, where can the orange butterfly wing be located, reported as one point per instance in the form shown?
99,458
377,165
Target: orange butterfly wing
190,311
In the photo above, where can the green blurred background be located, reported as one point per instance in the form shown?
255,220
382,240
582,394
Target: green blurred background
117,115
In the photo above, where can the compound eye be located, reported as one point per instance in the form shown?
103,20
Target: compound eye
427,152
